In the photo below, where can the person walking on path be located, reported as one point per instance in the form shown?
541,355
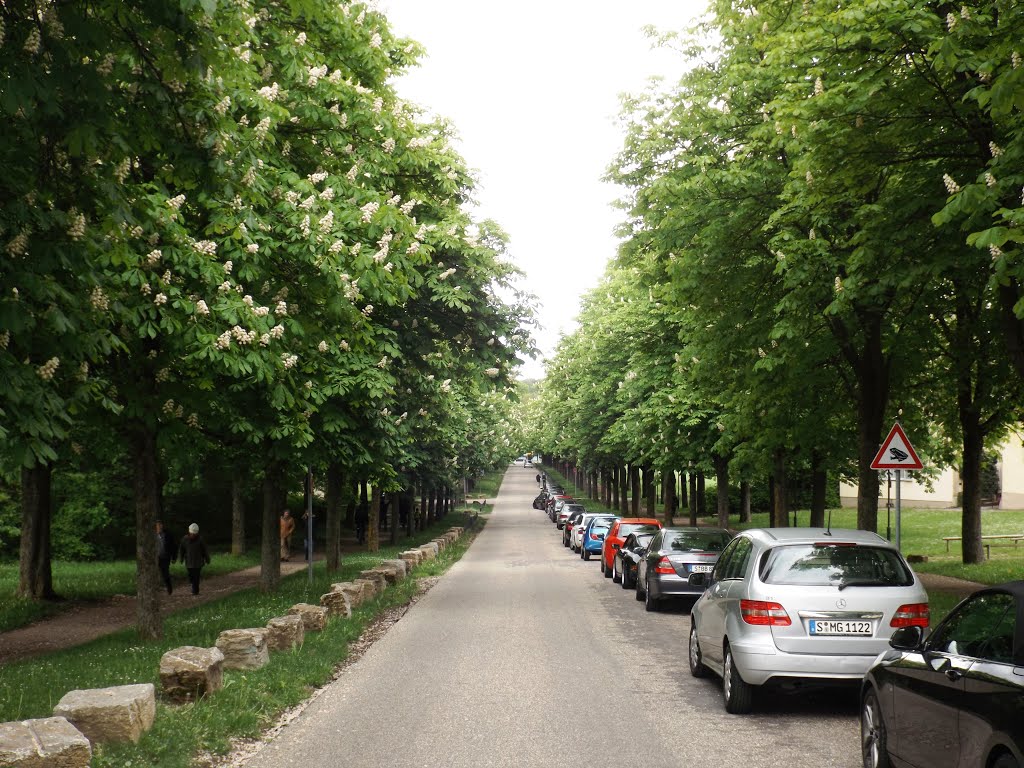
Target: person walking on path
287,523
164,554
193,554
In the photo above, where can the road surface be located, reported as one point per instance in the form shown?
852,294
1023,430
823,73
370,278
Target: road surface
525,656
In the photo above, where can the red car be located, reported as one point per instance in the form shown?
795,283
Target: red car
618,533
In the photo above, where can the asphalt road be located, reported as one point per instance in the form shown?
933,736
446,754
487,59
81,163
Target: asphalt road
523,655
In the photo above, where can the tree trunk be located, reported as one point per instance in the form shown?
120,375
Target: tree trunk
973,450
373,526
335,493
669,480
702,496
35,575
684,496
771,499
614,475
651,489
146,488
693,498
634,489
819,486
744,501
409,505
873,399
393,523
270,532
722,479
624,490
781,490
237,513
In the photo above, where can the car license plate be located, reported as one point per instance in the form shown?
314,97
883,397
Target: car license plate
701,568
825,627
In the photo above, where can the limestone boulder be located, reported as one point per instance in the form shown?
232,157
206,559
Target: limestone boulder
120,713
401,565
336,603
356,591
412,557
285,633
371,587
429,551
442,544
314,617
244,648
457,530
377,577
50,742
188,673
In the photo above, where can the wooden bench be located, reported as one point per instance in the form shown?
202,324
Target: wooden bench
1016,538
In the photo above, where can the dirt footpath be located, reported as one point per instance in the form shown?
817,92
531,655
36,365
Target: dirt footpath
87,621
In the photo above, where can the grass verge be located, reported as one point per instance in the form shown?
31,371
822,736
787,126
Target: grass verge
250,700
86,582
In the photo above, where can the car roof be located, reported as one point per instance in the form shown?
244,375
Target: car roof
696,529
772,536
647,520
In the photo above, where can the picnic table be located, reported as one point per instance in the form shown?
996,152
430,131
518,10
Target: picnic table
1016,538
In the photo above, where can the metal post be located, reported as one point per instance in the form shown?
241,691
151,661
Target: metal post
309,521
898,473
888,506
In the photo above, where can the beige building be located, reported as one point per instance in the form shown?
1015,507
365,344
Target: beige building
942,493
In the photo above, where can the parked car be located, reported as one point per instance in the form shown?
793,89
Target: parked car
632,551
577,511
674,554
955,698
553,501
618,533
563,511
594,534
576,541
799,604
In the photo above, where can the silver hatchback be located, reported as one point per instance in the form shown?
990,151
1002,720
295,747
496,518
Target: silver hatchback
791,603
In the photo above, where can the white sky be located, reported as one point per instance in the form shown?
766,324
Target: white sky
533,88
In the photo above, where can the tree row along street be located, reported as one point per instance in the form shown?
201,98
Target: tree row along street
525,656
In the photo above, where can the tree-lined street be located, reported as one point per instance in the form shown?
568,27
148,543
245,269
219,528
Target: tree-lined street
523,655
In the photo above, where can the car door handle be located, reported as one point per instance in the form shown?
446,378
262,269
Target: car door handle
953,674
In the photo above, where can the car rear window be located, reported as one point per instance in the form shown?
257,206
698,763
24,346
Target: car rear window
627,528
828,564
695,541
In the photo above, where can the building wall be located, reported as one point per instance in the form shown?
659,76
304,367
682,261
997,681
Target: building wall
1011,473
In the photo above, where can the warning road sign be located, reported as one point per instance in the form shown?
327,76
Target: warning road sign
896,452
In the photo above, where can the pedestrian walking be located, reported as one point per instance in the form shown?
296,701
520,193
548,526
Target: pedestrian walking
193,554
164,554
287,523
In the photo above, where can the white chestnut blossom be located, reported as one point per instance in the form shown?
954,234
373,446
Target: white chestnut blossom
343,346
207,247
951,186
228,266
368,211
176,202
367,310
76,228
98,299
252,247
322,346
47,370
160,298
202,308
492,372
300,39
289,360
281,309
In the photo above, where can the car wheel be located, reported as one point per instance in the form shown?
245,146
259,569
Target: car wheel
697,668
616,574
739,696
626,583
607,571
585,554
649,602
1005,761
872,733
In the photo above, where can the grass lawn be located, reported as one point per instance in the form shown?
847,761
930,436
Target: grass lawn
250,700
90,581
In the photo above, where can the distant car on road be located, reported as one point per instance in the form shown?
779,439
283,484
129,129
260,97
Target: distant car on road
799,604
955,698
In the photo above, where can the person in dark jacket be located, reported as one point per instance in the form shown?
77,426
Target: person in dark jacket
193,554
164,554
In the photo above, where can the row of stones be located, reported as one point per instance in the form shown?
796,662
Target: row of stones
123,713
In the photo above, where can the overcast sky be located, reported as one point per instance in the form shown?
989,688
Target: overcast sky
533,89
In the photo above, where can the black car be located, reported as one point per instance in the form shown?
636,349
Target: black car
955,698
633,549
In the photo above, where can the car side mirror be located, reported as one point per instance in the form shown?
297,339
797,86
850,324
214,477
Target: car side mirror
616,546
907,638
697,579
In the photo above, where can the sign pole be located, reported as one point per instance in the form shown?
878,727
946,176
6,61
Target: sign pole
899,472
309,521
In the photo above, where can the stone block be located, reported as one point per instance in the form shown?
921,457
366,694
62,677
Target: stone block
50,742
371,587
413,557
377,577
188,673
120,713
244,648
429,551
285,633
442,544
457,530
336,603
314,617
398,563
356,591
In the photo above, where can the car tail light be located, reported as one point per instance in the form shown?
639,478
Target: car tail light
911,615
664,566
595,537
764,614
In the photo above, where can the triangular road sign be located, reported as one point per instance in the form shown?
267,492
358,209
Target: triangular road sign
896,452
